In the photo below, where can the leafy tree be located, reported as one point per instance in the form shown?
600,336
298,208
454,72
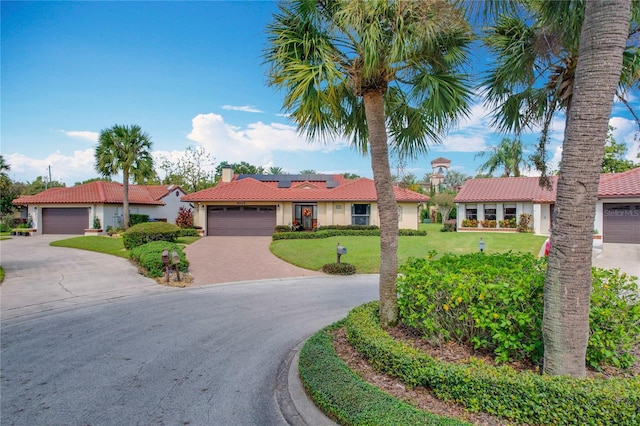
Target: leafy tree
508,154
191,172
614,152
454,179
307,172
351,176
360,69
125,149
597,76
537,50
92,180
444,203
8,192
37,186
410,182
241,168
275,170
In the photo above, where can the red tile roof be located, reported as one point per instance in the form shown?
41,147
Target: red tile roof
249,189
618,185
99,192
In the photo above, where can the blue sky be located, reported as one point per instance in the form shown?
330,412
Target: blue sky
190,74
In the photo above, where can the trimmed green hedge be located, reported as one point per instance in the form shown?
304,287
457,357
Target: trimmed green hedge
524,397
339,268
349,231
149,257
348,399
143,233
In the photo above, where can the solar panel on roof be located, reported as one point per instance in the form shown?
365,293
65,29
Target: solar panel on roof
284,184
332,184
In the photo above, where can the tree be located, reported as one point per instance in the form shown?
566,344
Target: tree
536,50
241,168
452,180
275,170
307,172
444,203
125,149
351,176
508,154
614,161
92,180
358,69
8,192
568,282
38,185
192,172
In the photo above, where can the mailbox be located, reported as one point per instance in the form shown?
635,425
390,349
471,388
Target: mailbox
342,250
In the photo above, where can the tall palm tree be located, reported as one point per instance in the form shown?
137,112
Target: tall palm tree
568,283
275,170
381,73
508,153
125,149
536,49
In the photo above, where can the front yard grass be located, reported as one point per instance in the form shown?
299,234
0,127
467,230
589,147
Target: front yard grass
107,245
364,252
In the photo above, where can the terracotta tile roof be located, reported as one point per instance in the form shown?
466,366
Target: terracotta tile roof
99,192
625,184
249,189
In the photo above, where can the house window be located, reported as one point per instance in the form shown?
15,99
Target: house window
360,214
509,211
471,212
490,212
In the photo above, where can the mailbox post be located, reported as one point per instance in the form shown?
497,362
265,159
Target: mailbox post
340,251
176,263
165,261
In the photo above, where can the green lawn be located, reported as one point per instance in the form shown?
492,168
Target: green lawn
364,252
108,245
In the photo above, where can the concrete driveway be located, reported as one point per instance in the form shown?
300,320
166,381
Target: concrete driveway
41,278
625,257
214,260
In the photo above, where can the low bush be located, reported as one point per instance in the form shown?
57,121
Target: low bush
283,228
524,397
184,218
508,223
149,257
469,223
411,233
449,226
188,232
135,218
495,302
348,399
525,223
143,233
326,232
349,227
339,269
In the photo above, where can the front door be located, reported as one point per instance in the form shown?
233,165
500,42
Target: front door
306,215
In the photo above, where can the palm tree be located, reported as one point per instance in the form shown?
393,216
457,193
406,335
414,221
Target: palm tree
124,149
360,69
508,154
536,50
274,170
568,283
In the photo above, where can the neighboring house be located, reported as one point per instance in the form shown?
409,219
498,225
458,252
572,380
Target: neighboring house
617,210
72,210
256,204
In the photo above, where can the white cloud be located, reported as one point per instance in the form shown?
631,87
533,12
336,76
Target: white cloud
82,134
243,108
64,168
626,132
462,143
254,144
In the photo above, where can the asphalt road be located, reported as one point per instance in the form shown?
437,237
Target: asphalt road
200,356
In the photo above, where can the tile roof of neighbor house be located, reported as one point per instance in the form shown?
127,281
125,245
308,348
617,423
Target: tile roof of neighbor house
250,189
99,192
618,185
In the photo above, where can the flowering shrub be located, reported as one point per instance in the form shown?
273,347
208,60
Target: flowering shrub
469,223
185,218
508,223
489,223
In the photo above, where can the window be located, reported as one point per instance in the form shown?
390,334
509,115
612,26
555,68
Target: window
490,212
471,212
360,214
509,211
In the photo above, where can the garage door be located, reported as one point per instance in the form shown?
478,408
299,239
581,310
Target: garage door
241,220
622,223
65,221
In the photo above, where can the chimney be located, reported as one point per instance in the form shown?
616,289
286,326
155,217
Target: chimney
227,174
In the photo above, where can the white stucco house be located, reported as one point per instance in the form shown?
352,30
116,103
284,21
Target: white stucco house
72,210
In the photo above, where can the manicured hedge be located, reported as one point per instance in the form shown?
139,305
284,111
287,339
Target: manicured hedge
149,257
339,268
348,399
143,233
524,397
349,231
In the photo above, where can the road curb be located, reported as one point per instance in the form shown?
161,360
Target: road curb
295,406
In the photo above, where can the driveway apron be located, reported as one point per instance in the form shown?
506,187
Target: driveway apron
214,260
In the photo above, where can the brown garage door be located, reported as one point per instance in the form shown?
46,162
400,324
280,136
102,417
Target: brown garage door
241,220
65,221
622,223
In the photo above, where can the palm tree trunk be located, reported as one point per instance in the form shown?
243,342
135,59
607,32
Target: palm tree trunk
387,207
568,283
125,198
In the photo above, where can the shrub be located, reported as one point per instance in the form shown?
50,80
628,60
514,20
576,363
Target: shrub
469,223
4,228
143,233
489,223
188,232
508,223
184,218
96,222
339,269
495,302
135,218
449,226
283,228
524,225
326,232
149,257
411,233
349,227
524,397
